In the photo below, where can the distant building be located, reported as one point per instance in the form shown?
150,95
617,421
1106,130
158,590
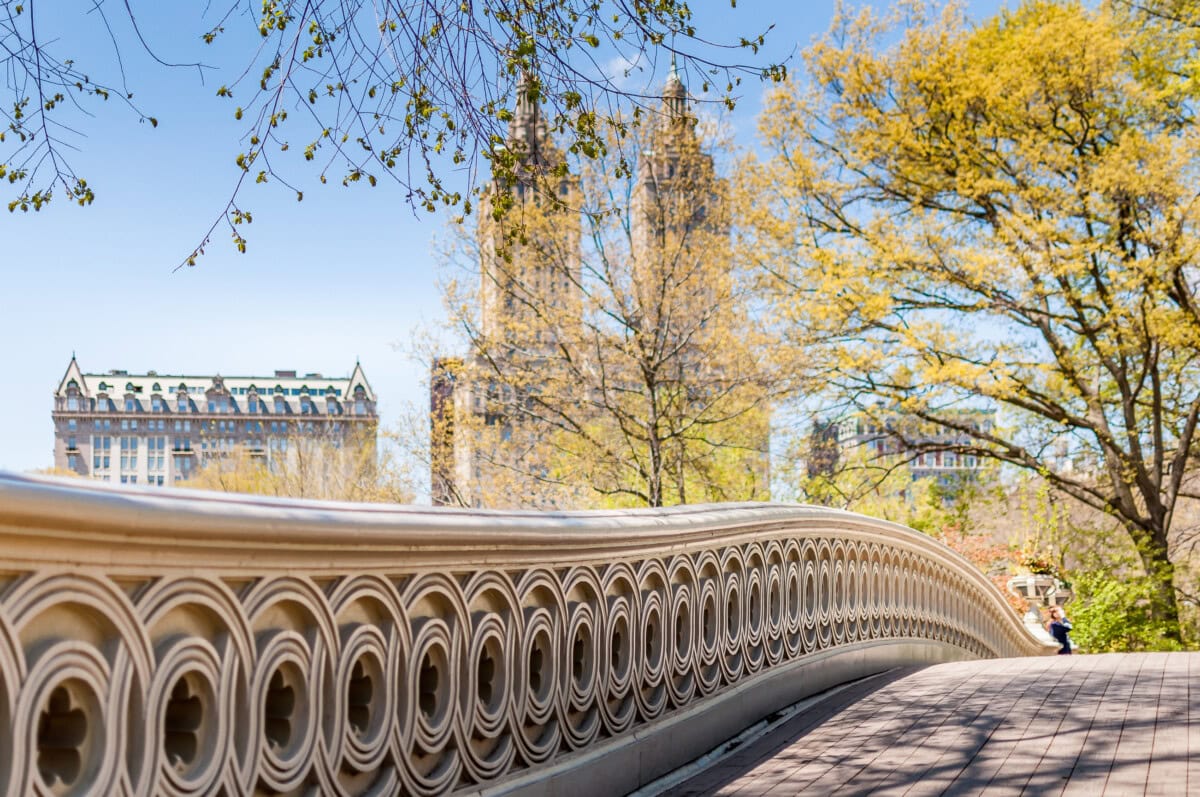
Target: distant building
157,428
442,467
931,450
497,445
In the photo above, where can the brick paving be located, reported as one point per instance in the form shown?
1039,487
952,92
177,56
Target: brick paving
1116,724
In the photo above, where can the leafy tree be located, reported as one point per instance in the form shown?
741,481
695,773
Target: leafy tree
303,466
612,358
1115,613
407,90
1003,213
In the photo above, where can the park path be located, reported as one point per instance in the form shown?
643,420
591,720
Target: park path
1114,724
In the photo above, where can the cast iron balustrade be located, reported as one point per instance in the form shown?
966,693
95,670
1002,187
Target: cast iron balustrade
184,643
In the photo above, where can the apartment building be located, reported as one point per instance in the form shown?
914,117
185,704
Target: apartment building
159,428
491,419
945,451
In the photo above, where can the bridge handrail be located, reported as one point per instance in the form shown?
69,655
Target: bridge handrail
174,642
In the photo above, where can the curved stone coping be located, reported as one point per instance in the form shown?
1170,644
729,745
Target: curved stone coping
175,642
228,528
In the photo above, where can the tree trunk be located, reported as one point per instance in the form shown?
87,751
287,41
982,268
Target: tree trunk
1153,550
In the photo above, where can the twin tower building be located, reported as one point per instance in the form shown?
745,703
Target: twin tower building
596,292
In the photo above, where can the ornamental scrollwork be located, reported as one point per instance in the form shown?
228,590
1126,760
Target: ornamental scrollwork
423,682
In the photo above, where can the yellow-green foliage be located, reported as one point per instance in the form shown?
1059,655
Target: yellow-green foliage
613,358
1114,614
1002,212
350,470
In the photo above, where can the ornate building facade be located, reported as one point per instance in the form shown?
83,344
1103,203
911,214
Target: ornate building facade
544,282
158,429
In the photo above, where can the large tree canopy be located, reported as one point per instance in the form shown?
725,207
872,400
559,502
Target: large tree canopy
408,90
1004,215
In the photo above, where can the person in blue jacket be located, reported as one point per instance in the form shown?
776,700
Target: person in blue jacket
1059,627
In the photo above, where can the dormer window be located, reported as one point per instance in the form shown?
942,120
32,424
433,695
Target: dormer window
280,405
156,404
252,404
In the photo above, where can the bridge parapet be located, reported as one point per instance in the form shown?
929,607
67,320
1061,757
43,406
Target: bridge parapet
183,643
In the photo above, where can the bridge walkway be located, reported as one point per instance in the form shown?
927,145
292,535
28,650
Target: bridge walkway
1115,724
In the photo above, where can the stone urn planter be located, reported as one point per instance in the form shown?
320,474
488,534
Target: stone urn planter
1032,587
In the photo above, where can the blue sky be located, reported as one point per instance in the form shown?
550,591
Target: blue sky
348,272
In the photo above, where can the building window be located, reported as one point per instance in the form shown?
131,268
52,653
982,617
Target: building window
252,404
156,404
72,425
131,405
72,461
71,443
155,459
280,405
183,404
129,453
73,404
101,405
360,407
101,446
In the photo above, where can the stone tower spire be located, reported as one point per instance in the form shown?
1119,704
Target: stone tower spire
675,97
528,133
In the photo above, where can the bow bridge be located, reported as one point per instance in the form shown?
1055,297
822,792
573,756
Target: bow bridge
163,642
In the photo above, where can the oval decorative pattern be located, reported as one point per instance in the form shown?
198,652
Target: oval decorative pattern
416,652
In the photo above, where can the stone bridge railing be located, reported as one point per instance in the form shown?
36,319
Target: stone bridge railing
183,643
